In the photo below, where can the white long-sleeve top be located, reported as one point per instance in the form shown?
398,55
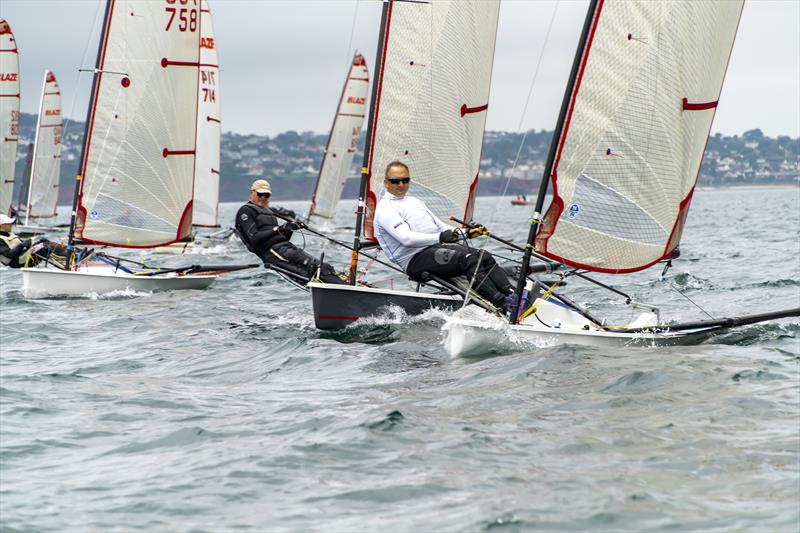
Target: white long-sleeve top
404,226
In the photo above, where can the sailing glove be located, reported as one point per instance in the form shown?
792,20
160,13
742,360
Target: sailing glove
476,231
295,225
449,236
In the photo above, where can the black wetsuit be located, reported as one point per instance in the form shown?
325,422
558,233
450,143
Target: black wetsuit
260,230
451,260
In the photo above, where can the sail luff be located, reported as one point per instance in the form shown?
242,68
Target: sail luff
46,166
328,146
78,189
39,118
342,139
9,114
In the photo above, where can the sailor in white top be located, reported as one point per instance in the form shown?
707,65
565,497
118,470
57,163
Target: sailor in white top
416,240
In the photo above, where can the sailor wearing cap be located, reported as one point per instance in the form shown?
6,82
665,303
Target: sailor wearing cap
260,230
13,251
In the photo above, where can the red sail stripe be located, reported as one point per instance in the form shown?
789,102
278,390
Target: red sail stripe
167,152
166,63
701,106
467,110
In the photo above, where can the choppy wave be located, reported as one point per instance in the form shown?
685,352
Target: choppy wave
226,409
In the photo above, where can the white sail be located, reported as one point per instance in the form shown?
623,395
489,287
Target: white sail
9,113
431,101
634,136
42,190
138,167
343,140
206,179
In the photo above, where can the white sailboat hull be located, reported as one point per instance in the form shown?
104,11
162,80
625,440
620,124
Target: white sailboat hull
472,332
49,282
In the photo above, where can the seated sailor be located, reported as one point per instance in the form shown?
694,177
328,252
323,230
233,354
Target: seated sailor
13,251
17,253
260,230
417,241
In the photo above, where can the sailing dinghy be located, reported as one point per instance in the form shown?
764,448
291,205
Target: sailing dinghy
9,114
428,109
623,165
38,196
342,141
135,187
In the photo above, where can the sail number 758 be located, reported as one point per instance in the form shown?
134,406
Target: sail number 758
186,16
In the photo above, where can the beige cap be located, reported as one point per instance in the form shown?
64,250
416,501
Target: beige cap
261,186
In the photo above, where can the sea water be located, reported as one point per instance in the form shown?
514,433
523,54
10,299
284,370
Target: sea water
225,409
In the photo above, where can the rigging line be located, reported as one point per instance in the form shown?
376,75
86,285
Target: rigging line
472,281
691,301
68,121
525,110
350,42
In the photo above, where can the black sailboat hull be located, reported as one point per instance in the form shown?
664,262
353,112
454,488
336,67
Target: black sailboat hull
336,306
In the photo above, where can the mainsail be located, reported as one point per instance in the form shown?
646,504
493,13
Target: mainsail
206,179
636,127
137,172
343,140
9,114
429,108
42,185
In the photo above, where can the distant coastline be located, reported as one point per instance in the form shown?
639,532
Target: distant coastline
290,161
750,186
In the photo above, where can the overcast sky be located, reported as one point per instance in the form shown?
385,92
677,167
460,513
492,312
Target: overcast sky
283,61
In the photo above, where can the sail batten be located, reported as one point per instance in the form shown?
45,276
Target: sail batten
9,114
638,122
139,156
431,102
343,140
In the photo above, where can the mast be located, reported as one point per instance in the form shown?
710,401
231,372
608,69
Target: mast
35,146
551,155
368,139
89,111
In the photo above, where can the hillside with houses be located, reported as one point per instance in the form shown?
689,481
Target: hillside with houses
291,161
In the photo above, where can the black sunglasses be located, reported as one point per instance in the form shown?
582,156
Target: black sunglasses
263,194
398,181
